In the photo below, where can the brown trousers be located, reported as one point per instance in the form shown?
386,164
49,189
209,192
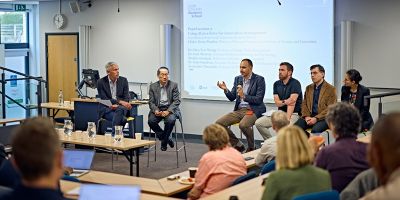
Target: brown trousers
246,123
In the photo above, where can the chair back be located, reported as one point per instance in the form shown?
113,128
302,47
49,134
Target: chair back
325,195
268,167
4,191
244,178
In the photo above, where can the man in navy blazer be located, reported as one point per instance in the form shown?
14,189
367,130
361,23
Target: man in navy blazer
114,88
248,90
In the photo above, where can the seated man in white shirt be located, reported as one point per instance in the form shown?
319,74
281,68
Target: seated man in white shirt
268,149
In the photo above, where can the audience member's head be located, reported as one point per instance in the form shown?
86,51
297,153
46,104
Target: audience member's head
37,151
384,150
293,150
343,119
216,137
279,120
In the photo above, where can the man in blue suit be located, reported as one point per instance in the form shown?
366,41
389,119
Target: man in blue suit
114,88
248,90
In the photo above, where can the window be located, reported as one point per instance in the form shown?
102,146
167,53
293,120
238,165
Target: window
13,27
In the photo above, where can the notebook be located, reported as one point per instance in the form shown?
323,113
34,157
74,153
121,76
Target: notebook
107,192
79,160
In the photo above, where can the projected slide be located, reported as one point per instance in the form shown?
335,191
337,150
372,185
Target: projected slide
218,34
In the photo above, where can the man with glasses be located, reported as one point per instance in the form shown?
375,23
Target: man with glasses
164,100
317,97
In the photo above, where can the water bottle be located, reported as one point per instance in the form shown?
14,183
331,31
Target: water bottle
91,130
60,98
68,127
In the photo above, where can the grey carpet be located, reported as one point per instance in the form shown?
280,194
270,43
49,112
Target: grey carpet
163,167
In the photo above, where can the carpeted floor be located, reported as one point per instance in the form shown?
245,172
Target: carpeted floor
164,166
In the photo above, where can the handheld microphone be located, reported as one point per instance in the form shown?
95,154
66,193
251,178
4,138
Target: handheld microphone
279,2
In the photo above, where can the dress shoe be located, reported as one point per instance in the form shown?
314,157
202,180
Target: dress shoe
163,146
240,148
171,143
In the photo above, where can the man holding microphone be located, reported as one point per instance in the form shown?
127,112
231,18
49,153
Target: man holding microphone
248,91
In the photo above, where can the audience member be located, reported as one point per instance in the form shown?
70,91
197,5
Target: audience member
354,93
345,158
115,88
363,183
164,100
295,173
287,97
268,149
219,167
384,156
317,97
38,156
248,90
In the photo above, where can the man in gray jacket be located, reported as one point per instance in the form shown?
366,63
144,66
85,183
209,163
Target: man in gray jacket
164,100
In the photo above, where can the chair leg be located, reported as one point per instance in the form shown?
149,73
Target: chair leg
112,159
176,148
184,142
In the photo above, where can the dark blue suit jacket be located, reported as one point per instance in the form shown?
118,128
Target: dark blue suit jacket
255,94
104,91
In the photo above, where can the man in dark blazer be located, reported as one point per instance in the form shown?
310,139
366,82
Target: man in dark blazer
164,100
317,97
114,88
248,90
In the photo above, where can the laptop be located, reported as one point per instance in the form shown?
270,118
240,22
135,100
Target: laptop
79,160
107,192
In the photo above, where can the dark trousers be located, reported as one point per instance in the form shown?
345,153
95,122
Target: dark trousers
117,116
318,127
169,123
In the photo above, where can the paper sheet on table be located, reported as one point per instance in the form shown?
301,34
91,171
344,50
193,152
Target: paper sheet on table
269,113
105,102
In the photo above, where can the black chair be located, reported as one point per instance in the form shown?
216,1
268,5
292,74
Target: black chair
244,178
175,133
4,191
268,167
326,195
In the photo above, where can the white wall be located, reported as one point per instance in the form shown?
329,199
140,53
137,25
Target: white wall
131,38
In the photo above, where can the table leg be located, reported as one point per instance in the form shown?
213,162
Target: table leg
137,161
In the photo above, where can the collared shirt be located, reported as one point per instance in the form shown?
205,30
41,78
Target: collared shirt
283,91
218,169
317,90
344,160
163,95
246,85
267,151
113,88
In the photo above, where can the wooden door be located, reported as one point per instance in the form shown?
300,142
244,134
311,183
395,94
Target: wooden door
62,66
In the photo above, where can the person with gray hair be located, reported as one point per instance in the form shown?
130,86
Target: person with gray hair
347,157
115,88
268,149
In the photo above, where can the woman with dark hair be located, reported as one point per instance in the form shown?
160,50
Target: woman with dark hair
353,92
384,156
